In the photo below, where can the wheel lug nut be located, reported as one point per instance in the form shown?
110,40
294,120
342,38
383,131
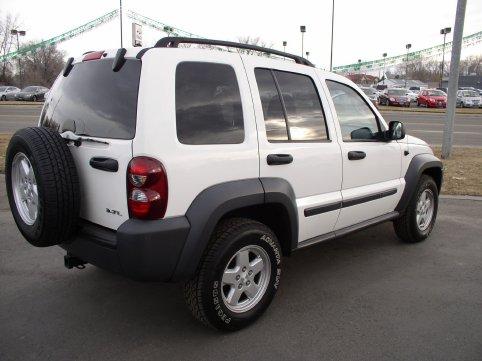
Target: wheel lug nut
247,283
250,272
238,277
240,286
244,269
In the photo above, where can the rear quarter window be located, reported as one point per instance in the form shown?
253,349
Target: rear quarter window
208,104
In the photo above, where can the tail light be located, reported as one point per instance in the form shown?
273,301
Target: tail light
146,188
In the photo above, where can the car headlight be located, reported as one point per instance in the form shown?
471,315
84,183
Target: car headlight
392,99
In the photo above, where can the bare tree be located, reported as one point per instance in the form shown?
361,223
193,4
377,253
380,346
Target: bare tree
42,66
7,41
253,41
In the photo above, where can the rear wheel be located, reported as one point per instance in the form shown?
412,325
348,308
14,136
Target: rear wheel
34,98
417,222
238,275
42,186
3,98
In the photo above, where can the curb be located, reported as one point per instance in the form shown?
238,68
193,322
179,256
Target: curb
20,103
461,198
430,111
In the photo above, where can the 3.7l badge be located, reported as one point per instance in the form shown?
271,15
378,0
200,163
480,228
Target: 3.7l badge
113,211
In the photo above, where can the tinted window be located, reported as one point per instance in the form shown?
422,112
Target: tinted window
274,118
93,100
208,104
300,104
357,121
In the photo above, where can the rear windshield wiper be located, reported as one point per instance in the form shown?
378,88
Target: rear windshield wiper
70,136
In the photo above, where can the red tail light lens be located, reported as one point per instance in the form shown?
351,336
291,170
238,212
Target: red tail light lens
146,188
94,55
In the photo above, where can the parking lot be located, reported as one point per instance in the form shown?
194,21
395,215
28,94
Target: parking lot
427,126
363,297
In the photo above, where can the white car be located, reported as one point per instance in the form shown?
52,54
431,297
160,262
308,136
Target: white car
413,95
468,99
8,92
208,167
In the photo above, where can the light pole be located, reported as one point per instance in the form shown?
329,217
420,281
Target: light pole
444,32
17,33
408,46
120,17
284,45
359,66
384,63
303,31
307,54
332,29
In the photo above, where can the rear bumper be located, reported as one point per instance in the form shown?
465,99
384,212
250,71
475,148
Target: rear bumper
141,250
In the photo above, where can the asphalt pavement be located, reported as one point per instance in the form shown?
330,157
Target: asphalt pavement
363,297
427,126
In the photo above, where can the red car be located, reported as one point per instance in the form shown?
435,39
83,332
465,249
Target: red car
432,98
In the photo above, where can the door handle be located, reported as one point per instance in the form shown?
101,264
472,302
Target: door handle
102,163
279,159
356,155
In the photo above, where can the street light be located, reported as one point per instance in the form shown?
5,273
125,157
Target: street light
17,33
359,66
284,45
303,31
408,46
384,63
443,32
307,54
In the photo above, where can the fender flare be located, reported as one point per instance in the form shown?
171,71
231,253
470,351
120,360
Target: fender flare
214,202
419,164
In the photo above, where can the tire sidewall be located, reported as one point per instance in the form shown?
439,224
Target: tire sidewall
425,183
219,315
30,232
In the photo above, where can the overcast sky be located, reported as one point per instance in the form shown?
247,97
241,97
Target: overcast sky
363,29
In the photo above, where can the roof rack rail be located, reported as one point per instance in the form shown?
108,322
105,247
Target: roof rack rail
174,41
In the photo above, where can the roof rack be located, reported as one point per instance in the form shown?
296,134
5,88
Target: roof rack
173,42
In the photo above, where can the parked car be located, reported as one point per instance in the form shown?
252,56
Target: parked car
468,99
32,93
432,98
8,92
412,95
396,97
372,94
445,90
208,167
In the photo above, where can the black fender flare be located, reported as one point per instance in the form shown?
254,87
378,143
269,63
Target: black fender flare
214,202
419,164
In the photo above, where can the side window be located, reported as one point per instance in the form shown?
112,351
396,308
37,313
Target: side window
291,106
357,121
208,104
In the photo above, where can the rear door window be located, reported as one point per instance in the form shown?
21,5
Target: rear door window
95,101
208,104
291,106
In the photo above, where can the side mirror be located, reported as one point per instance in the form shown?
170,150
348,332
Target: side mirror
396,130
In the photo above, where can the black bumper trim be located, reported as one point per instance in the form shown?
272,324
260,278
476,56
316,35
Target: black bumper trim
139,249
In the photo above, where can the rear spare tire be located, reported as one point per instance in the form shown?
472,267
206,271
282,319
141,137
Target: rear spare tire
42,186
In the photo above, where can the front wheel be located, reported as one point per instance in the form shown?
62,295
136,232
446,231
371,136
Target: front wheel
417,222
237,277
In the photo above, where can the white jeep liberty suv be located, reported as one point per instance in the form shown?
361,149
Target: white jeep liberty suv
208,167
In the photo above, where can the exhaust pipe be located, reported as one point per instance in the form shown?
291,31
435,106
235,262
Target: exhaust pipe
72,261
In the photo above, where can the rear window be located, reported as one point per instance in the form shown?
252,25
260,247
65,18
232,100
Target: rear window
95,101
